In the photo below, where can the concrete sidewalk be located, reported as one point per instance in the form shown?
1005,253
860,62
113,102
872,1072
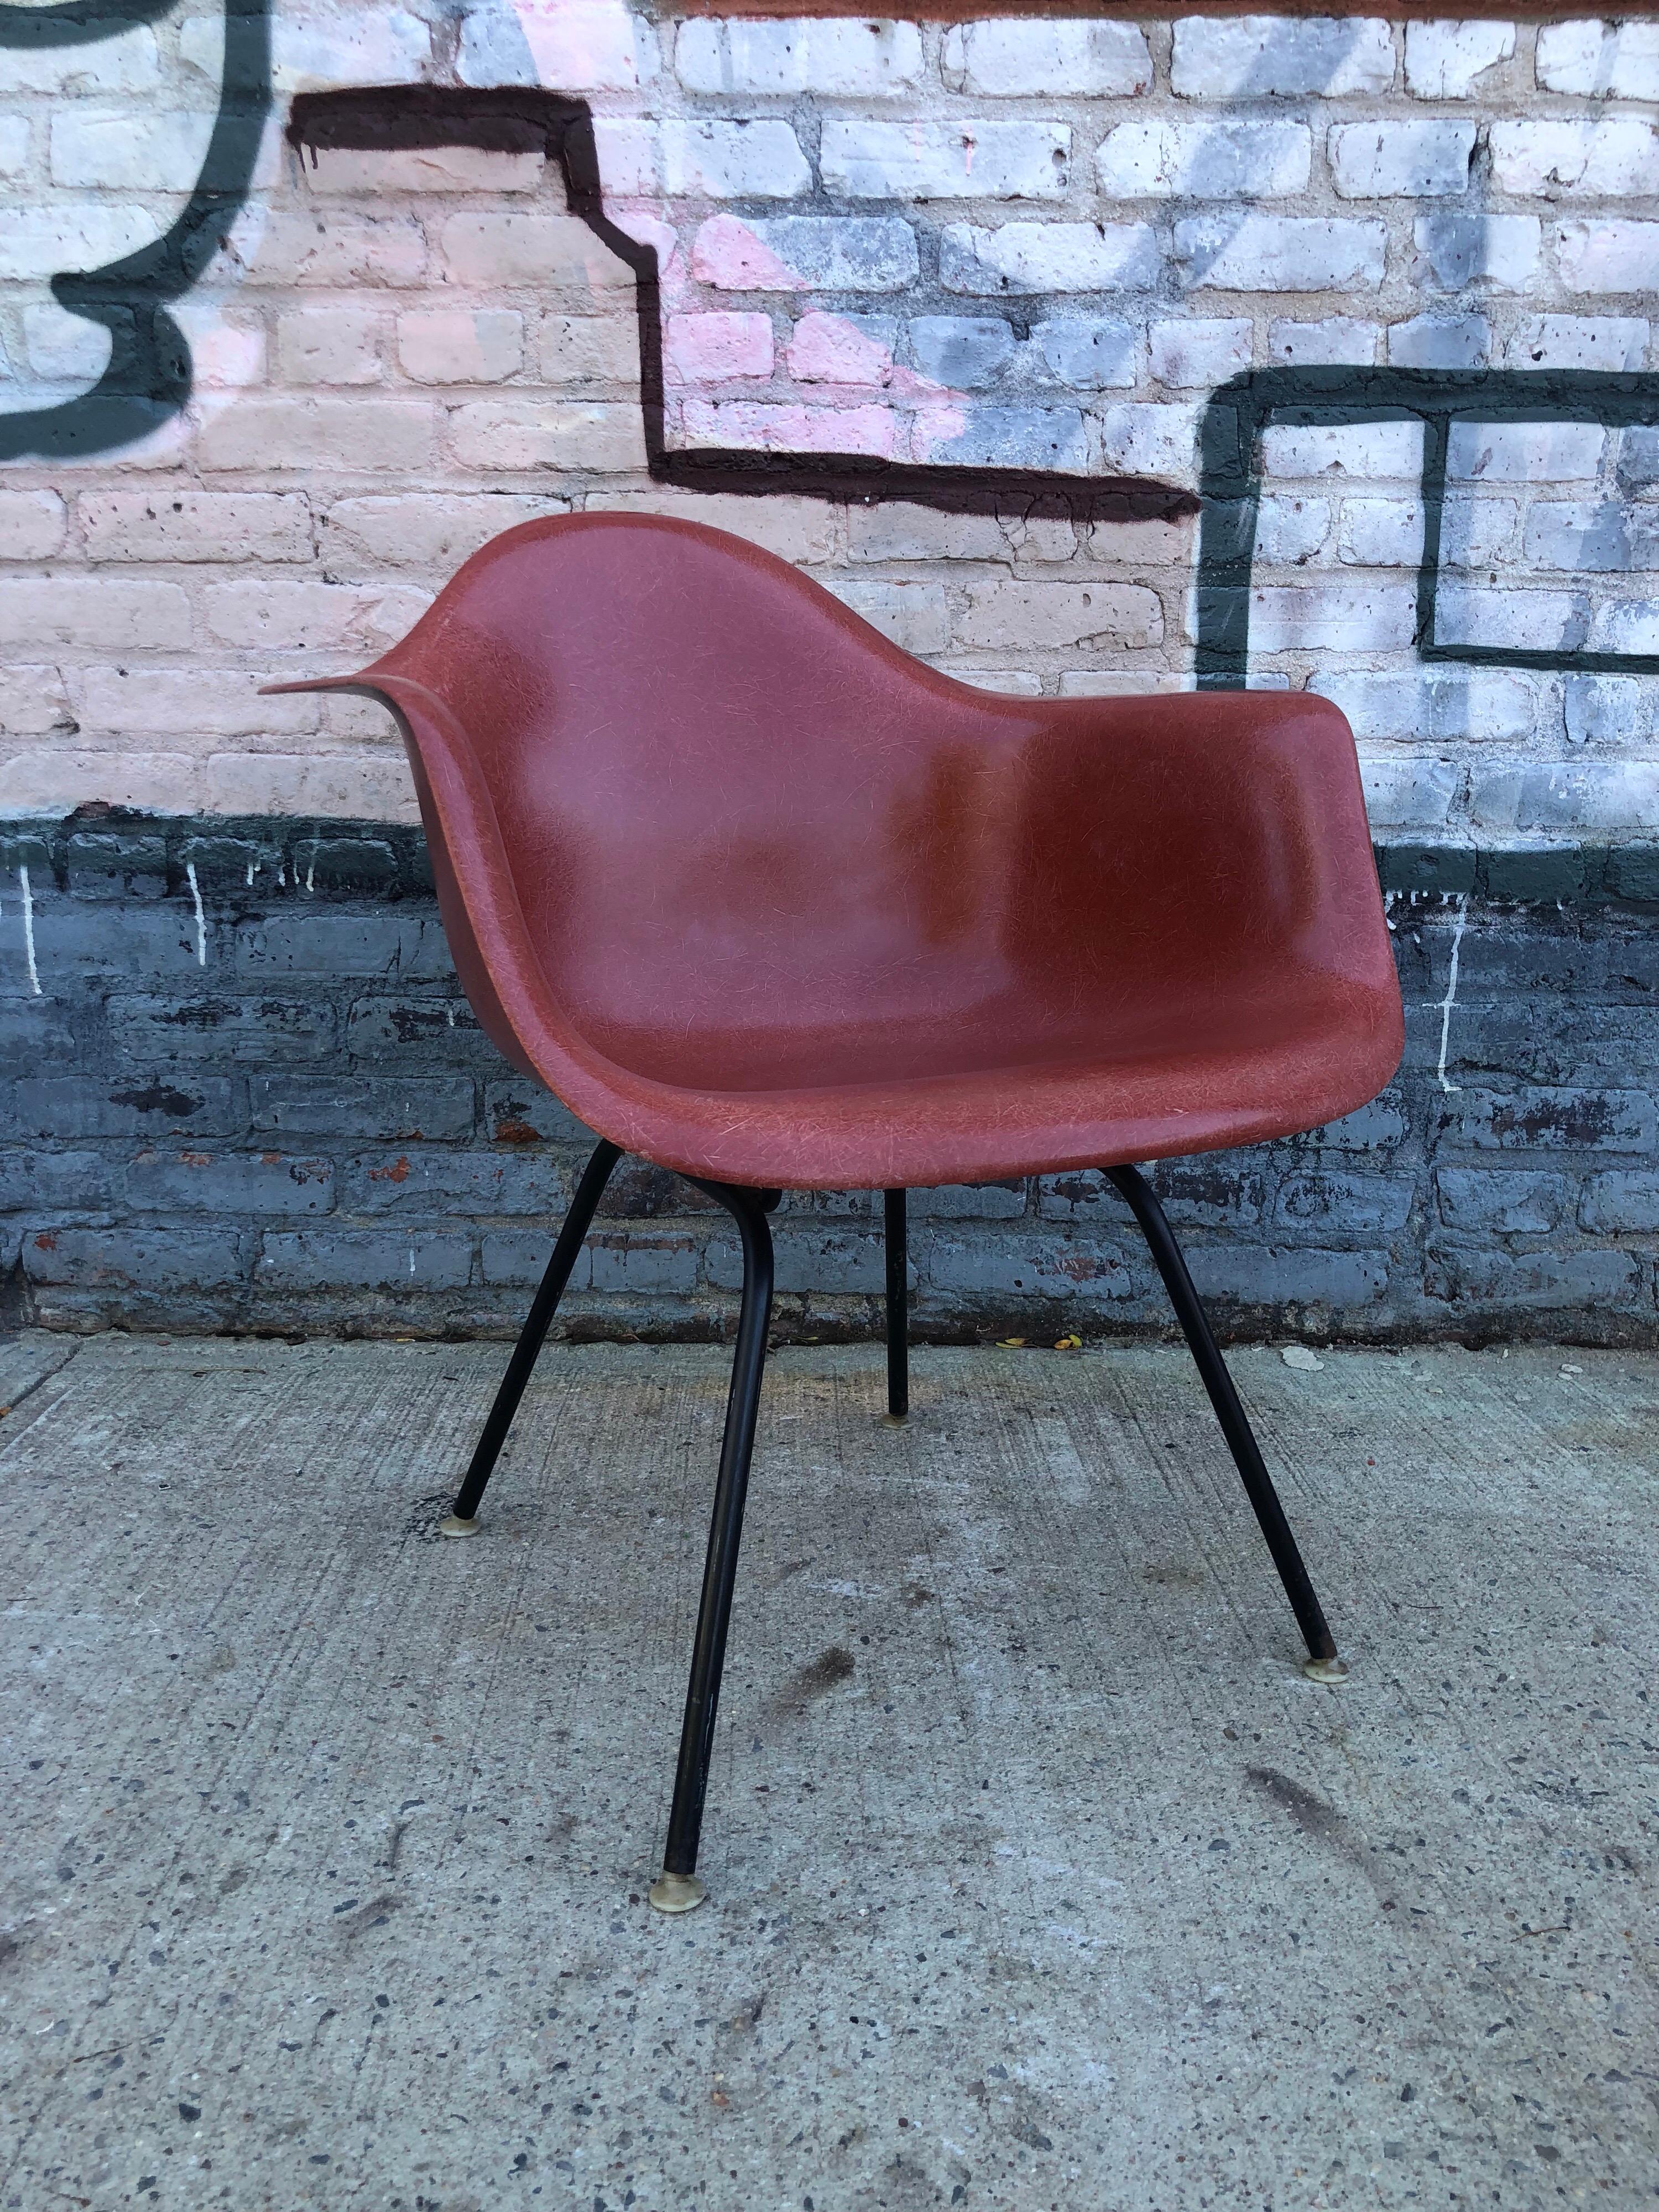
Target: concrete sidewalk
1040,1876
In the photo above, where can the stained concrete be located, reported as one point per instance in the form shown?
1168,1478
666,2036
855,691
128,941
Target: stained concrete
1040,1877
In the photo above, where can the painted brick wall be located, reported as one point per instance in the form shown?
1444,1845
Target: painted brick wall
1106,252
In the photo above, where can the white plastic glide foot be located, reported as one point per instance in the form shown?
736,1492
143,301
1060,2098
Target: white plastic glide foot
456,1527
1333,1671
677,1893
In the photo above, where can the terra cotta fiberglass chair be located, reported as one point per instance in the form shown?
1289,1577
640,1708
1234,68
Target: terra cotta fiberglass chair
768,903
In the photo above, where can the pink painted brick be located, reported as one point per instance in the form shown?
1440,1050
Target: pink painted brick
714,347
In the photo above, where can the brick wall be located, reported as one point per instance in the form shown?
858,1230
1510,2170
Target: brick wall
1145,253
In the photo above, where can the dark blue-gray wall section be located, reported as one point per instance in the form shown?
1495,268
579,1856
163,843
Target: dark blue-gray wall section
248,1094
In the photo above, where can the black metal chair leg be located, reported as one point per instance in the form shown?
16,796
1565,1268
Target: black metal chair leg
898,1302
464,1521
676,1889
1324,1664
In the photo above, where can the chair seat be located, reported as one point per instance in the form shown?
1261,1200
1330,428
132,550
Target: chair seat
994,1094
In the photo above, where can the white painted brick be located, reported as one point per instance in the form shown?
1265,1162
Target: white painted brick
726,160
1289,530
1150,439
970,160
460,345
1253,252
102,613
1523,452
916,616
800,530
894,531
34,703
1380,533
1434,706
1120,683
1048,256
1185,355
127,62
805,253
1477,533
574,46
39,241
1607,257
1610,709
284,247
841,59
348,45
1405,794
1007,438
590,349
1150,541
1446,60
1332,617
1625,626
115,150
433,530
330,345
1592,535
14,145
555,253
176,702
227,351
349,172
52,779
1617,61
962,351
534,433
1015,682
1441,342
1247,57
1090,352
279,430
1025,616
1056,60
1215,159
364,787
1618,343
176,522
1471,249
1574,158
1536,621
280,615
1362,450
1337,341
774,427
1415,160
712,348
64,348
33,525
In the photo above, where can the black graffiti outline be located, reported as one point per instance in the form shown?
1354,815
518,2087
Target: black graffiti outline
149,375
516,118
1230,483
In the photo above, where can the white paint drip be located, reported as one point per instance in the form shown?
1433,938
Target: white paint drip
251,868
28,932
1450,999
311,877
201,919
1389,898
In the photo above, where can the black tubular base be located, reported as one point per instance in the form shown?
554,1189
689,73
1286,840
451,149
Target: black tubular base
1133,1187
899,1301
577,1222
678,1889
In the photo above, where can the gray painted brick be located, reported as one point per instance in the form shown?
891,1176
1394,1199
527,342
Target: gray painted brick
1551,1118
1552,1282
429,1109
986,1201
419,1181
435,1032
72,1107
520,1256
241,1183
38,1183
378,1259
1512,1201
1334,1202
807,1260
151,1028
399,946
135,1258
1022,1267
519,1111
1623,1199
650,1265
1267,1275
75,937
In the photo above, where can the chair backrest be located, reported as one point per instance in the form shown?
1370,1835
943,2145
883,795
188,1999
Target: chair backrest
729,809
